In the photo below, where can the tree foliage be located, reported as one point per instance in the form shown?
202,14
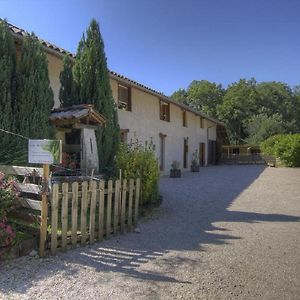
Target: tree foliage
239,104
251,111
180,96
7,90
201,95
205,96
92,86
261,126
285,147
34,97
67,88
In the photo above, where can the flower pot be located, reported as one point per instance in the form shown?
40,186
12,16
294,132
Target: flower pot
175,173
195,168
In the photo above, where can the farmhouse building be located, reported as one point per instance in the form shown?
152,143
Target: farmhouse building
176,130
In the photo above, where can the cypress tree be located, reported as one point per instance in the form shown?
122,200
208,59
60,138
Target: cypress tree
66,92
92,85
34,97
7,77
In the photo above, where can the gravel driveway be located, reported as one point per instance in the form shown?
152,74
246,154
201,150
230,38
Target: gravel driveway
229,232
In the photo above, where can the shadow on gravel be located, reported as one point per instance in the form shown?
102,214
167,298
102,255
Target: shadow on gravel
191,206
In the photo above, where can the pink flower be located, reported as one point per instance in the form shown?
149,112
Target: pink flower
9,229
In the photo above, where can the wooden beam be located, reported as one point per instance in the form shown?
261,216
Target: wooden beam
82,126
28,188
21,171
30,203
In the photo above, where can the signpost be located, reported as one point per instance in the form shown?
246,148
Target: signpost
44,152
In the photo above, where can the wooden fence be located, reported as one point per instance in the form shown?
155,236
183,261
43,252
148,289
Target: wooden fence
86,212
76,212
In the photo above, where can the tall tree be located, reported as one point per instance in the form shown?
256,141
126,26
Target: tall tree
239,103
261,126
7,77
278,98
180,96
34,98
205,96
92,86
67,95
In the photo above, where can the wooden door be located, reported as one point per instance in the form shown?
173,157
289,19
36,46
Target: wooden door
185,153
202,154
162,152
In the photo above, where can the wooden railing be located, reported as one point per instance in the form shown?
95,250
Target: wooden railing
243,159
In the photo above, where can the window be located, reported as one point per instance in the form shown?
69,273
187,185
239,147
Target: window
201,122
184,121
164,111
123,135
124,97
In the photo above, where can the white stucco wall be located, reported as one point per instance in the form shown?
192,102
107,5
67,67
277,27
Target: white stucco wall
144,123
55,66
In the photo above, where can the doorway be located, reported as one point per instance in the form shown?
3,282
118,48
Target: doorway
202,154
162,142
185,153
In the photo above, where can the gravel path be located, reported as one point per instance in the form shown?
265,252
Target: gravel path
229,232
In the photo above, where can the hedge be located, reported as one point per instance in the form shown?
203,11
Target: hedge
285,147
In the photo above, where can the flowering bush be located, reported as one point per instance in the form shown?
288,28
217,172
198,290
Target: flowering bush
7,234
8,195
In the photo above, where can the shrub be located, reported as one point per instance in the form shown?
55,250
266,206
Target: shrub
286,147
7,201
138,161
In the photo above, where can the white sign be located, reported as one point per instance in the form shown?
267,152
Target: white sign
44,151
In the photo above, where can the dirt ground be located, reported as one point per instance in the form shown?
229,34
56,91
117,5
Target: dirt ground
228,232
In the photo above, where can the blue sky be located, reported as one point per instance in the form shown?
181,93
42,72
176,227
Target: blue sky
166,44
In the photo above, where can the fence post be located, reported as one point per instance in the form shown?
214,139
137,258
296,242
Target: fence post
116,206
54,218
108,209
136,203
64,215
131,185
93,211
44,212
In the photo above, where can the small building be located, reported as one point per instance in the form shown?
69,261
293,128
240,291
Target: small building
76,126
229,150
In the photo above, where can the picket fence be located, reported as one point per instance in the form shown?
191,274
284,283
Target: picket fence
73,213
88,211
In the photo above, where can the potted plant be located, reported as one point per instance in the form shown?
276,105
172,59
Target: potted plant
175,172
195,166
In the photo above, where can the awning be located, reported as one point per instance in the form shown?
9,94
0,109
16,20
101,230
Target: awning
77,114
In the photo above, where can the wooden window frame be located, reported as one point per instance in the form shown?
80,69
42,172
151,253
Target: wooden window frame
122,104
184,118
164,115
201,122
